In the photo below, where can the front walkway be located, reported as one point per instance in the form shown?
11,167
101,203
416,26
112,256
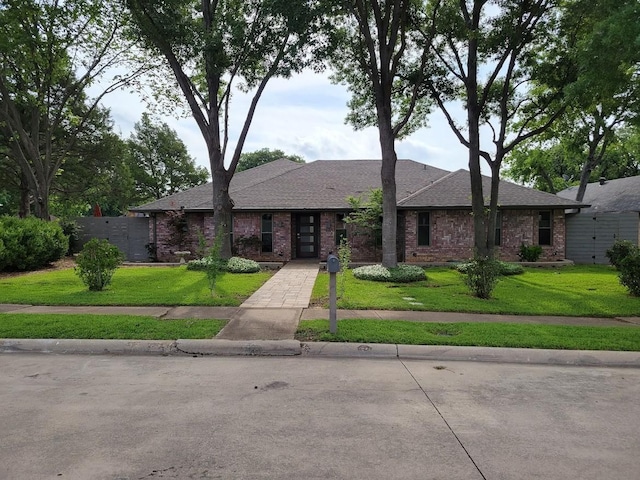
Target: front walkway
290,287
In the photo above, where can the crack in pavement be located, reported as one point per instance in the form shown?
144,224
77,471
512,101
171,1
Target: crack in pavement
444,420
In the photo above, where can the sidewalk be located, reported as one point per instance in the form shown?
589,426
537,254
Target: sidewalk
227,313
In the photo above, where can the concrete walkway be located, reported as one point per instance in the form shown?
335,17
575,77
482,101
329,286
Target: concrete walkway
290,287
273,311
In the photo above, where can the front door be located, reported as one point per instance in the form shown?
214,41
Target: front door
307,231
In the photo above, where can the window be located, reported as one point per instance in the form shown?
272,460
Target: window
424,229
498,237
231,231
544,228
267,233
341,228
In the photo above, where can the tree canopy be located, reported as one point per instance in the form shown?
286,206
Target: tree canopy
382,61
216,46
264,155
603,101
50,53
159,162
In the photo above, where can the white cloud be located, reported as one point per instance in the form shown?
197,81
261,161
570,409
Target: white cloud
305,116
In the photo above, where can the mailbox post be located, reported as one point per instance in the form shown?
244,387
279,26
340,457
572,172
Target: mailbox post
333,267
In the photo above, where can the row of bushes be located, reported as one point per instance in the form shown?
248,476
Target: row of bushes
30,243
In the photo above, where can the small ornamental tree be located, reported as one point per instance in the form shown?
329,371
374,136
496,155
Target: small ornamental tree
97,262
344,255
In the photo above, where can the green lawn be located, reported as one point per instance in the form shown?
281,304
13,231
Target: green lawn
592,291
131,286
478,334
128,327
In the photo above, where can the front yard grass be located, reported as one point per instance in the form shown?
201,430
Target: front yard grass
131,286
473,334
127,327
590,291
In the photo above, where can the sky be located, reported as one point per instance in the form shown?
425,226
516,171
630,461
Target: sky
305,116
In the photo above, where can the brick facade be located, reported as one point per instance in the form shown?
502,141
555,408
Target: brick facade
451,236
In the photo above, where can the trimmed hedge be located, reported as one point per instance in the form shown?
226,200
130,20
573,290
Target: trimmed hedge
30,243
399,274
504,268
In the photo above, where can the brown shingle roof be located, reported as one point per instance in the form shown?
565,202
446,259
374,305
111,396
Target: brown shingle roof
325,185
454,191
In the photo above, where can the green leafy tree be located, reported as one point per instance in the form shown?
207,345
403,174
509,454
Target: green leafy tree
382,61
366,214
553,163
214,46
602,103
264,155
50,53
487,52
159,161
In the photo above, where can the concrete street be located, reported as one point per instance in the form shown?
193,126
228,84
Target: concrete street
142,417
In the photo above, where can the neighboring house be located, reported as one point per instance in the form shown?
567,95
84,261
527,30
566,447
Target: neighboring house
614,215
285,210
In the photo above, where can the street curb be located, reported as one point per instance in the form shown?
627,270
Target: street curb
216,347
88,347
152,347
596,358
239,347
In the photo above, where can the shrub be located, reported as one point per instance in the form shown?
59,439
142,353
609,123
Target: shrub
242,265
630,272
530,253
71,229
30,243
620,250
233,265
504,268
481,276
399,274
97,262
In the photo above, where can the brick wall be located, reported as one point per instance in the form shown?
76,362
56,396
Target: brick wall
362,248
451,236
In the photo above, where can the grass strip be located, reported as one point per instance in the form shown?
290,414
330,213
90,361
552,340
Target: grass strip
579,291
562,337
126,327
132,286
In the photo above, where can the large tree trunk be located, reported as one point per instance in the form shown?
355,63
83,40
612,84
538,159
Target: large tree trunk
24,208
389,201
222,205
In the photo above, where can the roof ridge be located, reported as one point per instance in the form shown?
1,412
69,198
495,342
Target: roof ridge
419,191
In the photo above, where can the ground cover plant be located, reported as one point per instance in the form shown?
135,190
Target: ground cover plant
26,325
585,290
479,334
131,286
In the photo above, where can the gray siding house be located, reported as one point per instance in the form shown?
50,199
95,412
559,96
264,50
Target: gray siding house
614,215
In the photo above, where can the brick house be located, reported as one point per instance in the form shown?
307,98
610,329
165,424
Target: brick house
285,210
